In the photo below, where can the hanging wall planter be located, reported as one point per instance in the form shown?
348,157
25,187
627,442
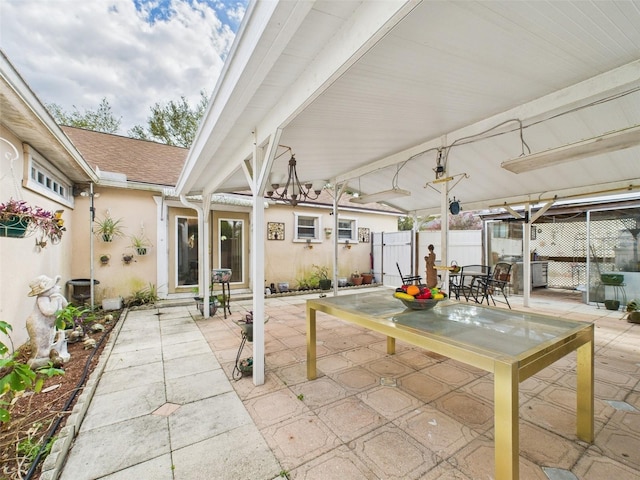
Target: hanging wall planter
140,244
14,226
108,228
127,259
18,219
104,259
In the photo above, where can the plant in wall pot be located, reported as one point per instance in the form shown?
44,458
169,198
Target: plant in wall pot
633,312
108,228
104,258
17,219
140,244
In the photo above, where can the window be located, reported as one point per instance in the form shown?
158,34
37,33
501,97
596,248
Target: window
512,230
347,229
45,179
307,227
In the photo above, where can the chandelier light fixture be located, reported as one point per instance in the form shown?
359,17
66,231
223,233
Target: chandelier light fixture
293,191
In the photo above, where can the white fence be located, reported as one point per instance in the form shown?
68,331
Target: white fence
465,248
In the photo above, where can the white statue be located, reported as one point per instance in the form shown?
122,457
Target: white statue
47,342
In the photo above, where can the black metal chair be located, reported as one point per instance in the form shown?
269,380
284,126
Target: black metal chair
498,283
455,284
409,279
473,282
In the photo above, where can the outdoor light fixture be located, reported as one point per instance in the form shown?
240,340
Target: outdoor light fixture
293,191
381,196
608,142
454,206
440,168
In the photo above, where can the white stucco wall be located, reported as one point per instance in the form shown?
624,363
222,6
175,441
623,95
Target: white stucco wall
138,213
288,261
20,260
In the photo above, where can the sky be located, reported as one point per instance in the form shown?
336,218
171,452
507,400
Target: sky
134,53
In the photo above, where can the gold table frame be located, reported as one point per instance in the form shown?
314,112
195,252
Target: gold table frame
464,332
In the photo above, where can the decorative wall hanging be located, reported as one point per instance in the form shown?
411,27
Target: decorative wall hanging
363,235
275,231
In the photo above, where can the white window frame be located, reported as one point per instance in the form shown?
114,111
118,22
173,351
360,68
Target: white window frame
45,179
317,227
354,230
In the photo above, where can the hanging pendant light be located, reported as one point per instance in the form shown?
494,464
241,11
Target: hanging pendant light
294,191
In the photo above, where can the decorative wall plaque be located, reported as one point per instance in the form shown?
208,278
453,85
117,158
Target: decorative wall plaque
363,235
275,231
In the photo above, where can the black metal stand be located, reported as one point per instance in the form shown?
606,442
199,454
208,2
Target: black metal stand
238,372
226,297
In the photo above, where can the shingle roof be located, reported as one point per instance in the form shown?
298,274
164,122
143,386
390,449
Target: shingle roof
140,160
158,164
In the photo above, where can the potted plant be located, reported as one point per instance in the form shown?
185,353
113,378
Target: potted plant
108,228
127,258
367,278
322,274
612,304
104,258
356,278
140,243
632,314
17,218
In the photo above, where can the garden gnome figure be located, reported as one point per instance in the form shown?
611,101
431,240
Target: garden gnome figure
432,274
47,343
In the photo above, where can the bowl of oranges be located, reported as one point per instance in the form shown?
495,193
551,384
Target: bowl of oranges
419,297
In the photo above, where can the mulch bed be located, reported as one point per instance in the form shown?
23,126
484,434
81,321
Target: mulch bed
33,414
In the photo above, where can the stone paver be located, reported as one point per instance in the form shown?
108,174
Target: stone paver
168,408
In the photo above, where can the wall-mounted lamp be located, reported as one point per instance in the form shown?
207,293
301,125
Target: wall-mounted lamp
308,245
347,245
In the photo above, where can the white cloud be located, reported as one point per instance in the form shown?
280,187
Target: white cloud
76,52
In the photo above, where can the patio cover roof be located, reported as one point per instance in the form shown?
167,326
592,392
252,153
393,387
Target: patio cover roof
359,90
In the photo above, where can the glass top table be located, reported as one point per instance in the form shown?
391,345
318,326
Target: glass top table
512,345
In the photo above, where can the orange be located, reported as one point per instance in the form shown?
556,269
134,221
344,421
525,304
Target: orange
413,290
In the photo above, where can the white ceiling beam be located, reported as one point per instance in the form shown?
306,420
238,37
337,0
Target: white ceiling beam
612,188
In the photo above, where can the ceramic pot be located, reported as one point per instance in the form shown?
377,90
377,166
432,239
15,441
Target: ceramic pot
612,304
634,317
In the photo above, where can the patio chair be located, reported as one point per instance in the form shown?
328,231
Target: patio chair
455,284
409,279
473,282
497,283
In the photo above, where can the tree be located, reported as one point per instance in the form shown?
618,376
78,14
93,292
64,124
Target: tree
406,223
175,123
100,120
